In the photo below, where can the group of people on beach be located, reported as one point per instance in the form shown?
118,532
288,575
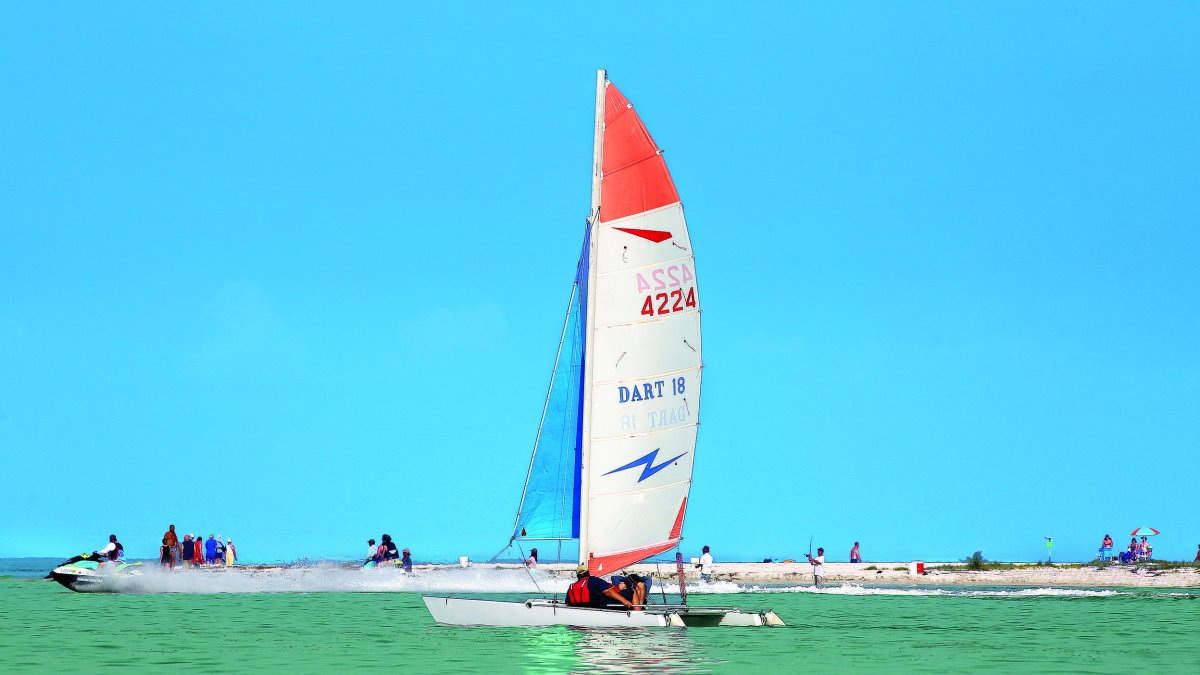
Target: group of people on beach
195,551
386,552
1136,550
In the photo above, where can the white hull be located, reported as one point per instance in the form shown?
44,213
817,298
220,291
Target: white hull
464,612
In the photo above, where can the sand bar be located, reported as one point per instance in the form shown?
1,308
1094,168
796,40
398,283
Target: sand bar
897,574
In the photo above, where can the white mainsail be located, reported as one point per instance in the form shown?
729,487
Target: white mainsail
643,359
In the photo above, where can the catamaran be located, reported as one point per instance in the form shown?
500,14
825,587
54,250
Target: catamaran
613,454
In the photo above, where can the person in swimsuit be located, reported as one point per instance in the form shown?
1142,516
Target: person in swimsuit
166,555
854,556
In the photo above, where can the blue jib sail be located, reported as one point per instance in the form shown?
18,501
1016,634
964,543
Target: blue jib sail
550,508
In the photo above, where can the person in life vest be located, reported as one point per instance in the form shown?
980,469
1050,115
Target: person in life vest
111,553
590,591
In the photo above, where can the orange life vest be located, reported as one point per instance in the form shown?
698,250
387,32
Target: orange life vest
578,594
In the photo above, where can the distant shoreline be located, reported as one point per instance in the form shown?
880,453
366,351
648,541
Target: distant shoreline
897,574
894,574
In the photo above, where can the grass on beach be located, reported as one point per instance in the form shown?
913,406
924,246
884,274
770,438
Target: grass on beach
977,563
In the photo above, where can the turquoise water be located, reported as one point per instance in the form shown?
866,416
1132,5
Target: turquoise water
44,628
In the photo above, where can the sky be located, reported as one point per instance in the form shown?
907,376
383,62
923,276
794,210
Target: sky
294,273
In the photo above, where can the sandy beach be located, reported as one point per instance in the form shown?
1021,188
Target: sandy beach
897,574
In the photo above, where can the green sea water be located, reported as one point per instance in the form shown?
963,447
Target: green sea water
46,628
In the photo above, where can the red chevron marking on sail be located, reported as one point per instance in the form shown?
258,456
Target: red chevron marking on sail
655,236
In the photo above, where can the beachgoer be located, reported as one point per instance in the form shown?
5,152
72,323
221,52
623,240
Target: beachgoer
854,557
1197,553
1106,548
1144,549
705,565
818,566
589,591
166,554
230,553
173,542
198,550
210,549
406,561
393,553
111,552
532,560
1133,549
220,551
186,550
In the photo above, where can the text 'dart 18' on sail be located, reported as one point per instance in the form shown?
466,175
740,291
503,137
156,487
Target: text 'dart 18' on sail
643,353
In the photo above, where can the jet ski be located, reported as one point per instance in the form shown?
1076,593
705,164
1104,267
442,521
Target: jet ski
84,573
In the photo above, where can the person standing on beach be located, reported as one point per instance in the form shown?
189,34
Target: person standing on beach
198,550
818,567
187,551
166,555
172,540
705,565
230,553
220,552
854,556
1197,553
210,549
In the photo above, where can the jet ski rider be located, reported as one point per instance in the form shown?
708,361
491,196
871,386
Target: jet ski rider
112,552
591,591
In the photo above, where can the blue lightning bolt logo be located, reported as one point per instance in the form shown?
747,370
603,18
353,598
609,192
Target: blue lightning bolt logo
649,469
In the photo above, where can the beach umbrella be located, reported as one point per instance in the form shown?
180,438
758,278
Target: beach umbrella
1144,532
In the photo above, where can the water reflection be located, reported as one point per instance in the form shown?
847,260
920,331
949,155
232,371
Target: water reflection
612,650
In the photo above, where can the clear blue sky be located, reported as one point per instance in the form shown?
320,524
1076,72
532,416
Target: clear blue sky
294,273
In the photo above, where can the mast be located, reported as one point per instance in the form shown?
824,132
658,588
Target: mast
590,325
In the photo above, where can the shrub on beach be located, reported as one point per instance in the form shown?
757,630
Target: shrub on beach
975,561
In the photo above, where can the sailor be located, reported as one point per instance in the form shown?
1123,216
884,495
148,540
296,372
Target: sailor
589,591
406,561
633,588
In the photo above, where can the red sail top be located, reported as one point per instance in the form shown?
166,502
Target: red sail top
635,174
